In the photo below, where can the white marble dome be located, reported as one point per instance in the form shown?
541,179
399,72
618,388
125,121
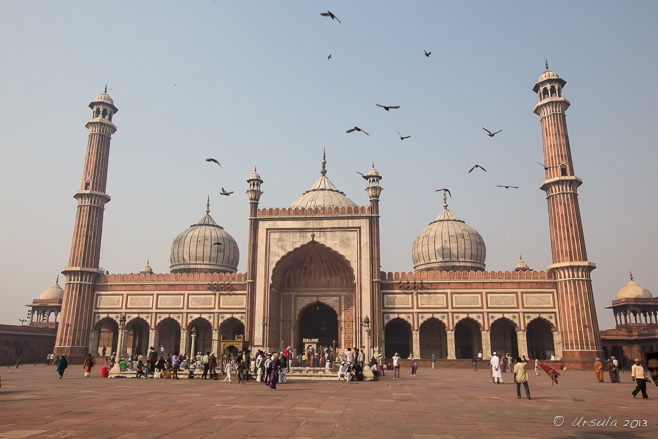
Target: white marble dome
323,194
204,248
548,74
448,243
104,97
53,293
633,290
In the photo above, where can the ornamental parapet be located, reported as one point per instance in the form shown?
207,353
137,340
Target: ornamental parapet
316,211
466,275
171,278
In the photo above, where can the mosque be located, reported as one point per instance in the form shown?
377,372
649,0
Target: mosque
313,274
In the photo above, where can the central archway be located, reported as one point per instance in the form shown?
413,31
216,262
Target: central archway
319,321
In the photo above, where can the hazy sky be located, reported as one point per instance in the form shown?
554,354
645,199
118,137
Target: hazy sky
249,83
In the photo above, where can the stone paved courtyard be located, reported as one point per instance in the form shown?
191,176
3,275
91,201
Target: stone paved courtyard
440,403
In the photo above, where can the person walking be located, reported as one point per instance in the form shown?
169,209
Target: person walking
414,367
612,371
598,368
241,371
396,366
496,372
521,377
175,363
88,364
617,367
639,376
259,367
206,365
227,370
212,363
433,360
361,358
274,373
62,365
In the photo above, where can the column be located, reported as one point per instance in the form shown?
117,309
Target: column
416,344
192,343
451,345
183,341
153,338
93,342
486,344
522,343
215,343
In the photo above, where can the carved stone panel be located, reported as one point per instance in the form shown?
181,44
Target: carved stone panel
108,302
140,301
532,300
397,300
232,301
201,301
432,300
502,300
466,300
170,301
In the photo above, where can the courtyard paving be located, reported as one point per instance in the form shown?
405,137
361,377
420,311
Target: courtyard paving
439,403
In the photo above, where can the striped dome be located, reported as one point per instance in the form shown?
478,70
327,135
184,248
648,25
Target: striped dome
448,243
204,248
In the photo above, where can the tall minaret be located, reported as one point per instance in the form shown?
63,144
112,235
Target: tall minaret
376,317
578,324
254,194
76,319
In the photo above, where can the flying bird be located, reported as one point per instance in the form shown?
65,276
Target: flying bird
546,168
427,54
330,14
223,192
490,134
387,108
476,166
444,189
507,187
217,243
357,129
402,137
329,57
215,161
365,177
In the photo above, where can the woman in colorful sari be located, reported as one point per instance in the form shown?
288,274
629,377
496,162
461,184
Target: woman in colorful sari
612,371
274,376
61,366
88,364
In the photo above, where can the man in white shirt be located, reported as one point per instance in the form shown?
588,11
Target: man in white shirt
342,371
396,366
496,372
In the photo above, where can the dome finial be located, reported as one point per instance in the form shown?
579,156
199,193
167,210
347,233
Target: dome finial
545,59
631,274
445,199
57,280
324,162
105,88
208,206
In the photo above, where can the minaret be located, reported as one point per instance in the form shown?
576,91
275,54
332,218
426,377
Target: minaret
254,194
578,324
76,319
376,316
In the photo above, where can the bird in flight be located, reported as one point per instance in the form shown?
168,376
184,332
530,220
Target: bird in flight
507,187
445,190
490,134
357,129
217,243
330,14
329,57
387,108
546,168
215,161
476,166
402,137
365,177
427,54
223,192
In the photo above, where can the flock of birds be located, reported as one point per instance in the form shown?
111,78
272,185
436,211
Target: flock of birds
355,128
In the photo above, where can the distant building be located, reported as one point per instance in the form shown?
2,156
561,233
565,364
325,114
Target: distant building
313,272
636,331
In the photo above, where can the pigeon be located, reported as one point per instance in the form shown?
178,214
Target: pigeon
402,137
427,54
223,192
444,189
476,166
507,187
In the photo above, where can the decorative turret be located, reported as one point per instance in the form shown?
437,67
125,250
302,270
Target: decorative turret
254,191
374,189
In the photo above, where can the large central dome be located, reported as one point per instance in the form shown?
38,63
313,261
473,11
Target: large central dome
448,243
323,194
204,248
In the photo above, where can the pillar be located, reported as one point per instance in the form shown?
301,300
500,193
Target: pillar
415,336
215,343
451,345
522,343
486,344
183,341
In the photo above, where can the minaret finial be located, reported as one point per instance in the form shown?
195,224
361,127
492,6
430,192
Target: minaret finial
445,199
631,275
373,164
57,280
324,162
545,59
254,168
105,88
208,206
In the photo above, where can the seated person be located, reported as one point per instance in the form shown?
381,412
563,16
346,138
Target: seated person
140,369
375,372
358,373
349,375
342,371
123,366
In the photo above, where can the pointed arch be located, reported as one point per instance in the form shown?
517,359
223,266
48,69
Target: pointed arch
397,336
108,334
137,332
201,328
539,336
503,337
433,339
169,332
468,338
